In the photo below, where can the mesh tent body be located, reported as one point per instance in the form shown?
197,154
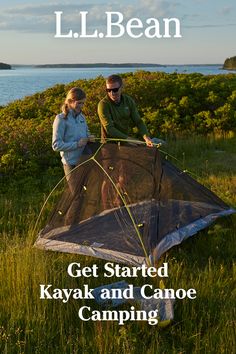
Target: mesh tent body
127,204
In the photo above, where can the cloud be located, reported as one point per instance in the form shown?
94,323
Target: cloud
227,10
158,8
41,17
210,25
45,9
35,18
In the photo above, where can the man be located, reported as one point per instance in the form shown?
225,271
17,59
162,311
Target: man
118,113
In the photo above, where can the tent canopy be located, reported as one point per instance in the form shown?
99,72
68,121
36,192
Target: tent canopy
126,203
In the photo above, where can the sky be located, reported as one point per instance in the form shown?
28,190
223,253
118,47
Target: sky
28,28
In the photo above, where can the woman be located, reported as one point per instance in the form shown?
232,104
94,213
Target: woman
70,130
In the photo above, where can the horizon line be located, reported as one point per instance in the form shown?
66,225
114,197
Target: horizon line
117,64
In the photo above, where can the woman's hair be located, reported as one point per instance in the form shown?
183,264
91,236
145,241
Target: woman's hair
75,94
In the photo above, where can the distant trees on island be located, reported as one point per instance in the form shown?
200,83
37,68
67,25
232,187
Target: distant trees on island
230,63
4,66
98,65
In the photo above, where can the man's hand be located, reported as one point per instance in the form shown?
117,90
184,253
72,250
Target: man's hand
148,140
82,142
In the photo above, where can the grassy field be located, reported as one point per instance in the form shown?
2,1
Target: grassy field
204,262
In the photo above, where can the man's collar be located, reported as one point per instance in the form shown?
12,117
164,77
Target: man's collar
116,104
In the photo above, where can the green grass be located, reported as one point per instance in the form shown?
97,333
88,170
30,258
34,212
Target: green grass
204,262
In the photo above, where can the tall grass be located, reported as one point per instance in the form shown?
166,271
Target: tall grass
204,262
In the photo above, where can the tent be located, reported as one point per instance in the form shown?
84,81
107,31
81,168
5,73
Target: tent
126,203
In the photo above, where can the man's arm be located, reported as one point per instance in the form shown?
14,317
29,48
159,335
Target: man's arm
140,124
107,122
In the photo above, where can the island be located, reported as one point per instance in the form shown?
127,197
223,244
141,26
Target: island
230,63
4,66
98,65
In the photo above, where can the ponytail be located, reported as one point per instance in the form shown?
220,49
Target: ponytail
65,110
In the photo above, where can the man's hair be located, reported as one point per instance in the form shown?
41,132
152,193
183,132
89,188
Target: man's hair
114,78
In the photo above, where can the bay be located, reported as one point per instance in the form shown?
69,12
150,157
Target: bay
24,81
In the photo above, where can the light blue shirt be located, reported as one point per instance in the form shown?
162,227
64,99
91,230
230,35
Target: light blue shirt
66,135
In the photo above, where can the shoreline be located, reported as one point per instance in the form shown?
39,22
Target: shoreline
110,65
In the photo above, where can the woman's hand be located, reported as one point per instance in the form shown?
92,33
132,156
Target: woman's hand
82,142
91,138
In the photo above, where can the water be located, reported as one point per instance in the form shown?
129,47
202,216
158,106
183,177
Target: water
25,81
